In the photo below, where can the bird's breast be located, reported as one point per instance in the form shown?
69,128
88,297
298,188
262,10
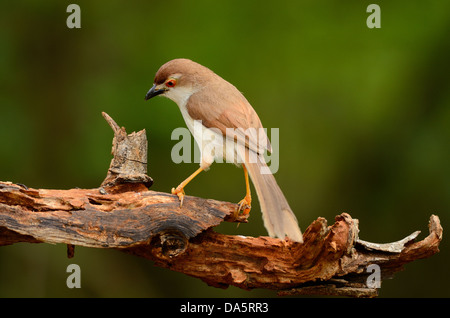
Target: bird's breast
213,145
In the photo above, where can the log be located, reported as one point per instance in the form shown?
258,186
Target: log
86,217
123,214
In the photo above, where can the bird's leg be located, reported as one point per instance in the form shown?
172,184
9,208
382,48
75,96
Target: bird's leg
245,204
179,191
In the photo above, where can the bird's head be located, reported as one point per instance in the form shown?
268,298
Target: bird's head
178,79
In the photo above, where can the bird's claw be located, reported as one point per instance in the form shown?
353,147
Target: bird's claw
180,193
244,205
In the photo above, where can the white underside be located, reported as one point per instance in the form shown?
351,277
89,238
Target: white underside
212,144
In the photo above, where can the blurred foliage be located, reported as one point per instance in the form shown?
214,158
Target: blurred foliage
364,118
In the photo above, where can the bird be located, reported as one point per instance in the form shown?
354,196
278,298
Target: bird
225,126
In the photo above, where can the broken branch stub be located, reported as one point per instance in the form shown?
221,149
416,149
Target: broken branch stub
128,168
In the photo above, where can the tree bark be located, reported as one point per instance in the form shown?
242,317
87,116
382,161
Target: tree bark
123,214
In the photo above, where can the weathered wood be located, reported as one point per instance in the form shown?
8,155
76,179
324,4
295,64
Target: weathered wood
351,278
128,167
86,217
332,260
123,214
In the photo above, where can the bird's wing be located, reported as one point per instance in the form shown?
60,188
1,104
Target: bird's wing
219,110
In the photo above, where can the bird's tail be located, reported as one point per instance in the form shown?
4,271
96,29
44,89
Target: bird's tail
278,217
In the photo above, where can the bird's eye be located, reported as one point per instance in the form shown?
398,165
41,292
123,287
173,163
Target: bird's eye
171,83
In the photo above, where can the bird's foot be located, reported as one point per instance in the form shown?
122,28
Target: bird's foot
180,193
245,205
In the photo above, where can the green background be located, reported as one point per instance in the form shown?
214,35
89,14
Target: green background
364,119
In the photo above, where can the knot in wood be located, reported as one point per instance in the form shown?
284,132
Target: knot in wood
172,243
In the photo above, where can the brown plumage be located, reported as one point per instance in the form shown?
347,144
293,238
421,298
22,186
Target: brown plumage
223,110
204,96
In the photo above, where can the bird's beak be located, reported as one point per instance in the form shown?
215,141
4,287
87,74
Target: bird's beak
154,92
